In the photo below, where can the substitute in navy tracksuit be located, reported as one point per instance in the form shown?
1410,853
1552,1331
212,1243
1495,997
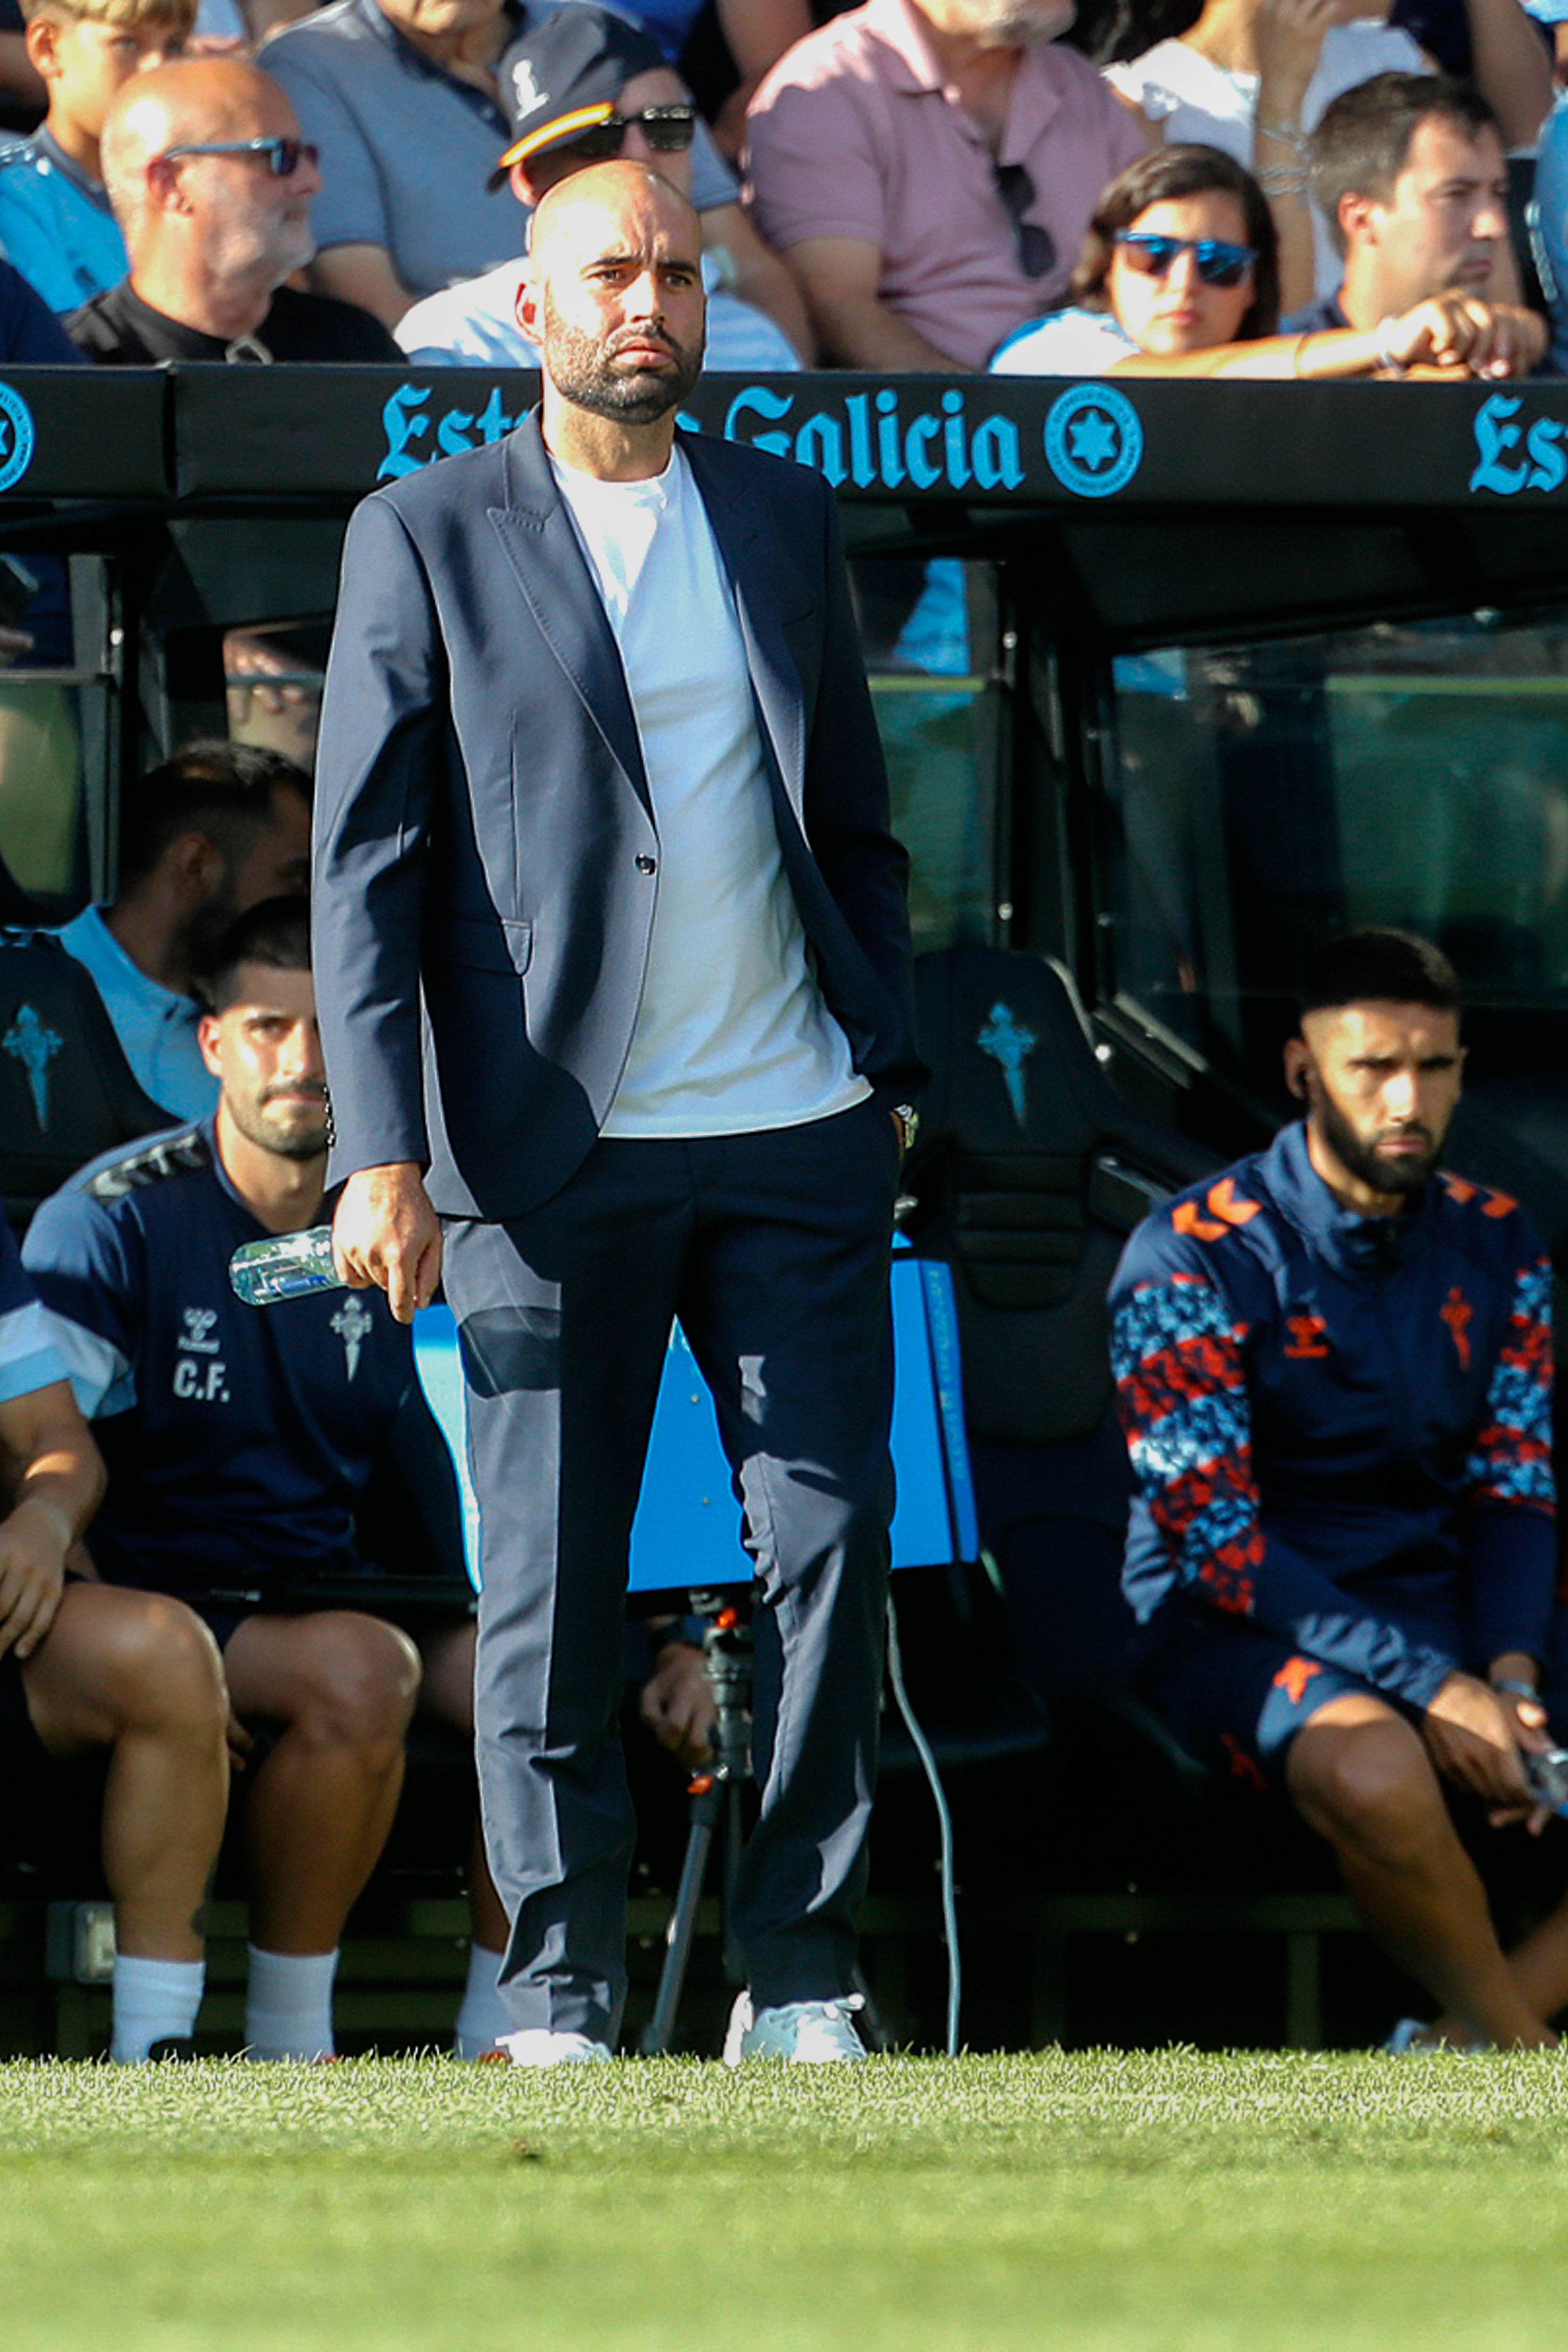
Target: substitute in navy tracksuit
1340,1428
1334,1371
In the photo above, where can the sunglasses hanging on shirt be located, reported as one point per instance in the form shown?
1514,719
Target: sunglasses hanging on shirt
1036,249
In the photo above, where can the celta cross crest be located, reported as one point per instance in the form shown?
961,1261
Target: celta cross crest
30,1040
351,1323
1009,1041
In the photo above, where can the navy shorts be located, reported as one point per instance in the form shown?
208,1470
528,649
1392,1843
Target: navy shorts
1236,1695
223,1615
28,1773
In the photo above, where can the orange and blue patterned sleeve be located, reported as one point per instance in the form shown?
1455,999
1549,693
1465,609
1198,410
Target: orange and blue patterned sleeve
1182,1395
1177,1353
1510,1501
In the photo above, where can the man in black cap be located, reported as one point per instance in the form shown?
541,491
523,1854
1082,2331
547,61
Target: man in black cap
583,86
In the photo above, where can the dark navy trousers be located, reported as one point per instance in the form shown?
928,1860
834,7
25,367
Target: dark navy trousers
773,1250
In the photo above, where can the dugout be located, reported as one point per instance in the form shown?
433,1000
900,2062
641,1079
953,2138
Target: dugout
1171,677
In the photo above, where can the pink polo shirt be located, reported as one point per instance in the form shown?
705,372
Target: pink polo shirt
853,134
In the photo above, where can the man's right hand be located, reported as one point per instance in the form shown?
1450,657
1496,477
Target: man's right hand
1462,333
1474,1738
387,1233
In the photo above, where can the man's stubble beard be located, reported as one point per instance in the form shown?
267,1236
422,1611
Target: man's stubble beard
1362,1161
581,371
294,1144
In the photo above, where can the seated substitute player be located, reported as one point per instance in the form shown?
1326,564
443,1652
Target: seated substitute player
1334,1366
83,1669
237,1444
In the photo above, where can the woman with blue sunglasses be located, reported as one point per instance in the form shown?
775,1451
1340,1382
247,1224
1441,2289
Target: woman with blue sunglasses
1178,275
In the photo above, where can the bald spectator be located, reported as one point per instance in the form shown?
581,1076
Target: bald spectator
585,85
212,187
404,99
928,169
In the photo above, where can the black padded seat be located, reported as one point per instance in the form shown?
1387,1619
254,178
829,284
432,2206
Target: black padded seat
66,1091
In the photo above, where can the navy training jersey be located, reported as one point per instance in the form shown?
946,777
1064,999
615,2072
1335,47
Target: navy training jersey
1340,1425
236,1438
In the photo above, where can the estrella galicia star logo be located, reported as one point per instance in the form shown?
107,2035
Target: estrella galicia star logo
1094,441
16,436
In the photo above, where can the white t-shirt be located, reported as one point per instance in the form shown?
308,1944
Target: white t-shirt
1067,342
1177,85
732,1033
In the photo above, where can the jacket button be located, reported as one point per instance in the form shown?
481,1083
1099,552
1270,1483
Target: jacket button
647,865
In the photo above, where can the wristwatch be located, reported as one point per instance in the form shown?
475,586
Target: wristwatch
909,1120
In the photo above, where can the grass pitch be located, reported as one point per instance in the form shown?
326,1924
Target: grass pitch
1098,2201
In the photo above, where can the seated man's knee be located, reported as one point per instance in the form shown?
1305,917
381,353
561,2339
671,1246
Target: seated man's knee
360,1680
120,1662
1370,1782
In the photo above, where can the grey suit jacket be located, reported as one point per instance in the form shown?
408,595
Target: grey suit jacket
486,852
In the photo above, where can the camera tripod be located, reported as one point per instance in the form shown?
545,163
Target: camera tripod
715,1796
716,1799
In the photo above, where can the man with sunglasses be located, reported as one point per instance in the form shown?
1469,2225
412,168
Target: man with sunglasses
211,184
582,88
928,168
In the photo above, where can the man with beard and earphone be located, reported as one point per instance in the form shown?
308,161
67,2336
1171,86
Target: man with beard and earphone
1334,1367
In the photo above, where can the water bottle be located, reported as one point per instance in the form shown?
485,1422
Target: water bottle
285,1266
1546,1769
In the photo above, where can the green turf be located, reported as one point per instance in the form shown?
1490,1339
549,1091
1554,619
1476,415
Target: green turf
1094,2200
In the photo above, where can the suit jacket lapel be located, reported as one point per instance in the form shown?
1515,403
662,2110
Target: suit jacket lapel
541,546
753,566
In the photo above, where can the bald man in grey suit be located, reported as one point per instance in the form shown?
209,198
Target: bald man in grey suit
613,962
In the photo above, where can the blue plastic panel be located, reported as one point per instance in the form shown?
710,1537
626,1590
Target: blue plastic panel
687,1532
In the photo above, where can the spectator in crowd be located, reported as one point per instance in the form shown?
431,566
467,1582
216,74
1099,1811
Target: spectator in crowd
926,168
1178,276
86,1671
1548,222
56,225
1255,76
1409,172
402,97
1334,1365
204,836
584,85
212,187
237,1445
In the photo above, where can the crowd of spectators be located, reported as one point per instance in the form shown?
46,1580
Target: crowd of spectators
918,178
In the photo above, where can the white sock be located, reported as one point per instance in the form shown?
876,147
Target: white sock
483,2017
155,2001
289,2004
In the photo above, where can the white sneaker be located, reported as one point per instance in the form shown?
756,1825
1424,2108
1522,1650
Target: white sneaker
1412,2039
805,2032
537,2046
